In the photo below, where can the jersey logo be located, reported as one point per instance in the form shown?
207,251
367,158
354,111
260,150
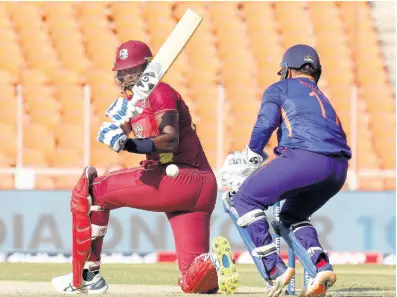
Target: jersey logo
138,130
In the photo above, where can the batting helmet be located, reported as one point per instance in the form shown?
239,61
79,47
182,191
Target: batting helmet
132,53
297,56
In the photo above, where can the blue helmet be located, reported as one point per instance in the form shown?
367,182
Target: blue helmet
297,56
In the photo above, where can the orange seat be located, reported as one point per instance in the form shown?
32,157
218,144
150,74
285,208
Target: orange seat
44,183
65,158
6,161
66,182
8,139
103,157
390,184
34,77
7,182
371,184
46,116
37,137
8,109
14,65
34,158
70,137
91,8
132,160
5,78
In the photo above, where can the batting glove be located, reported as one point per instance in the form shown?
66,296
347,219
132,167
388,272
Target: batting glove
122,111
112,135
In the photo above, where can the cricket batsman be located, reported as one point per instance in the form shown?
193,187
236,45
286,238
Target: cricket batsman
309,169
163,132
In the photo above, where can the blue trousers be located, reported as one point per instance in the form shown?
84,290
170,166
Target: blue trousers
305,180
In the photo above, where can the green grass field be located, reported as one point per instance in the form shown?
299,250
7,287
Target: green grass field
160,280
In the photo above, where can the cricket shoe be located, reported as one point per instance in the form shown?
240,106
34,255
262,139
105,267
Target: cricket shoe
279,280
63,284
221,256
321,283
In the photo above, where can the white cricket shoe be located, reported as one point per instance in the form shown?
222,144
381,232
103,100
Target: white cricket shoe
63,284
320,284
279,280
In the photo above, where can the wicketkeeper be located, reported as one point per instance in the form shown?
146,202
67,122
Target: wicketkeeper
309,169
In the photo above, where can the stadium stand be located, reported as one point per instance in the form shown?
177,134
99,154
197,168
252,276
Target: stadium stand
53,49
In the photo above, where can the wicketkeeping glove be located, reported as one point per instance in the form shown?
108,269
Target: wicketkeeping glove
234,171
112,135
254,160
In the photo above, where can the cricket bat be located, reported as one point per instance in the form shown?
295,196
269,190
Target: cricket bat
165,57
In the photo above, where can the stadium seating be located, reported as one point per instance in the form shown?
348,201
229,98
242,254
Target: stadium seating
55,54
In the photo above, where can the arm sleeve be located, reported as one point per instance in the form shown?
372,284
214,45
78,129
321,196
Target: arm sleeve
269,118
163,98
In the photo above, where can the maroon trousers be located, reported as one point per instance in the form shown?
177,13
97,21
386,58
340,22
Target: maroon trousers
187,199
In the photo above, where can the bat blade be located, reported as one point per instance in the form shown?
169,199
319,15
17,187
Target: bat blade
166,56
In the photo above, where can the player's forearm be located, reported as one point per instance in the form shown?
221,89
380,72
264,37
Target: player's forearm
166,143
266,123
259,138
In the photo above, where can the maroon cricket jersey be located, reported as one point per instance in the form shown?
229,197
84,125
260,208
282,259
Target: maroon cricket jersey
164,98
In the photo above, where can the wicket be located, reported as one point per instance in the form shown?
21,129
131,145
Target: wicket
291,255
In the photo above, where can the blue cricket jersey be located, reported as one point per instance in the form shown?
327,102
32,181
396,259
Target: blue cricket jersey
304,116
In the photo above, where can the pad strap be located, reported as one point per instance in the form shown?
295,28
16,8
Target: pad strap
92,266
299,225
264,251
251,217
98,231
312,250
